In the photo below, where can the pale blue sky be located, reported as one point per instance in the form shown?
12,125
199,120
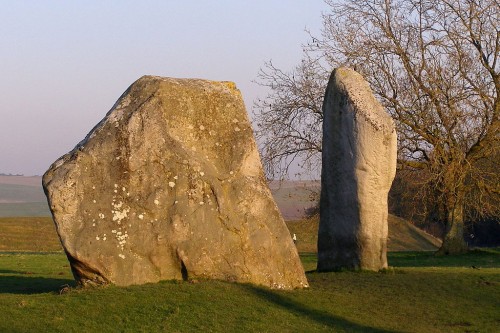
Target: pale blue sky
63,64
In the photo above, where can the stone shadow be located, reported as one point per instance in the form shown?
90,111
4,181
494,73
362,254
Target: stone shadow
15,284
321,317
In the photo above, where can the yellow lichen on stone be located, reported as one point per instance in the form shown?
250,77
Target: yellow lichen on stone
230,85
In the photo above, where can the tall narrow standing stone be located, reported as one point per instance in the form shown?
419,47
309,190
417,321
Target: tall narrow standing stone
359,165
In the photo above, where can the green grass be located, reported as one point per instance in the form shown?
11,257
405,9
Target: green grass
33,272
421,294
476,259
418,293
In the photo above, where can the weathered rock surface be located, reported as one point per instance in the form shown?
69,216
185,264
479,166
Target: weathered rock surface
169,185
358,167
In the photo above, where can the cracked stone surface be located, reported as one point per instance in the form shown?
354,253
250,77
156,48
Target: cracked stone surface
169,185
358,167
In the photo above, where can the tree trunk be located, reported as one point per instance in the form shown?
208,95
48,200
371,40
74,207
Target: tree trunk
453,242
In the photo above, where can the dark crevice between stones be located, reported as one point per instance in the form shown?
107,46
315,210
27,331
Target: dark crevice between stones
184,271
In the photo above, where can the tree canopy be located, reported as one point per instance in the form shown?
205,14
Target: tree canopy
434,65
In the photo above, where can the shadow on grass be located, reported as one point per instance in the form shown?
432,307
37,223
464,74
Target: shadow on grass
321,317
9,271
31,285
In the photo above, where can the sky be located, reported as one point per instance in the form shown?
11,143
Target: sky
63,64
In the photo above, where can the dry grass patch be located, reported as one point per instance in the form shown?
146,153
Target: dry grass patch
37,234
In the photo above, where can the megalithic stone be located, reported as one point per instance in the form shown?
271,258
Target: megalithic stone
358,167
169,185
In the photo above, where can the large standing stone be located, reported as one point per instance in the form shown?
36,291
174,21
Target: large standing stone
358,167
169,185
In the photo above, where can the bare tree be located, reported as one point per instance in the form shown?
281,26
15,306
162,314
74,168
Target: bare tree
289,119
434,64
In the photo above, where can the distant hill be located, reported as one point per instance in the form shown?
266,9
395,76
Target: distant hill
294,197
10,193
21,180
22,196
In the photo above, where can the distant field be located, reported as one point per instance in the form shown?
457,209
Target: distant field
21,193
292,198
22,196
37,209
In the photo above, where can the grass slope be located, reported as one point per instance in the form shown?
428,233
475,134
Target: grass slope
403,236
406,299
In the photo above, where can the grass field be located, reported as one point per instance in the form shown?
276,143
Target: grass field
448,296
418,293
36,234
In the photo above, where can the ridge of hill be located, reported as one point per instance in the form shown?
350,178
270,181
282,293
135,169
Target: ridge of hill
21,180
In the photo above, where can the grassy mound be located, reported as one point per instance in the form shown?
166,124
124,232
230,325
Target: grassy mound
403,236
